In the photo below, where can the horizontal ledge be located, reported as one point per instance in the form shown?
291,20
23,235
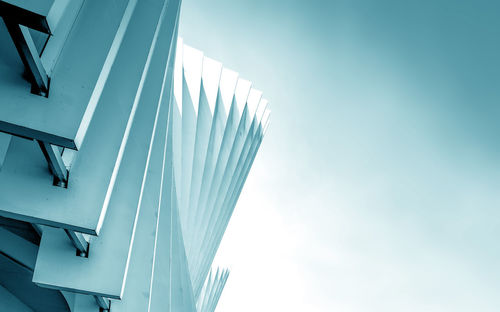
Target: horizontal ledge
31,134
77,291
31,219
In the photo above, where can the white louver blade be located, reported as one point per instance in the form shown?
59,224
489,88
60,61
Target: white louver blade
218,121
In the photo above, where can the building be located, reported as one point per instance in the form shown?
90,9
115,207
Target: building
122,155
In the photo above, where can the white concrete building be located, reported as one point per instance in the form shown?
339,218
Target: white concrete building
122,156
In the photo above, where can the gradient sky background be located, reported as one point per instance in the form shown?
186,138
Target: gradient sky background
377,186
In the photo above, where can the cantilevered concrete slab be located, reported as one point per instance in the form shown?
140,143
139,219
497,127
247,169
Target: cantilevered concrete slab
134,202
26,183
78,58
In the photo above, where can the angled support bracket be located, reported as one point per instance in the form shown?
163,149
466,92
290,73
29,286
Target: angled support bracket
29,55
103,303
56,164
79,241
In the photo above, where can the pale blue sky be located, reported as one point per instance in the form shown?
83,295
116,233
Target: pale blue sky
377,186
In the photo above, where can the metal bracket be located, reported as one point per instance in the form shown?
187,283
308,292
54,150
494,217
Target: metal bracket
56,164
29,55
79,241
103,303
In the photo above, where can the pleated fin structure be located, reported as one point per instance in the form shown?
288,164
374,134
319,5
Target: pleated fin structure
212,290
218,121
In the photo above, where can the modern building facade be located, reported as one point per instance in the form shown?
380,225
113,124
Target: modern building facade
123,152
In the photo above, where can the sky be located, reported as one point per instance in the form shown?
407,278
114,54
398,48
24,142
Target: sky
377,185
